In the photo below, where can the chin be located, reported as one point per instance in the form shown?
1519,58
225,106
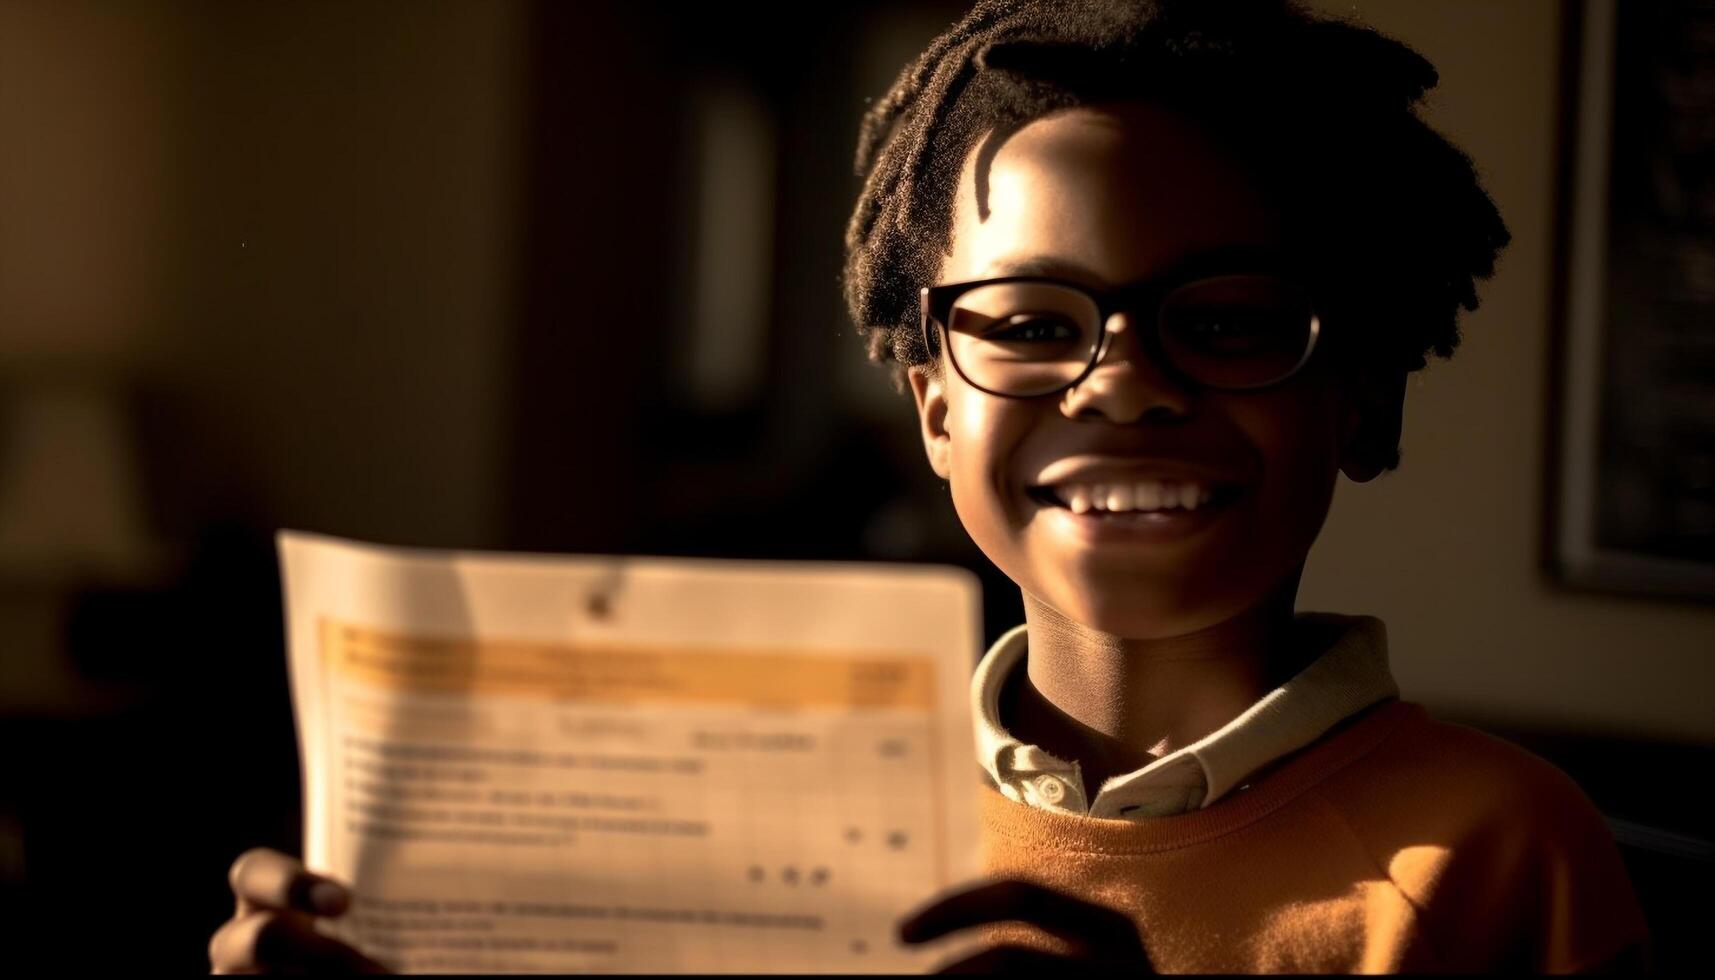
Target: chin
1153,611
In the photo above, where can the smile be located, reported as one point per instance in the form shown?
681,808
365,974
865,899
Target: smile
1140,496
1132,513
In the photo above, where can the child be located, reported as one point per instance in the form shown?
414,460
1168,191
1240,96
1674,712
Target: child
1179,259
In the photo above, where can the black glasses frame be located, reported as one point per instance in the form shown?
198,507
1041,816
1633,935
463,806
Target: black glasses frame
938,300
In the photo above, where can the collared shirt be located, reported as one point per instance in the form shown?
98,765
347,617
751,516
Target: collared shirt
1349,676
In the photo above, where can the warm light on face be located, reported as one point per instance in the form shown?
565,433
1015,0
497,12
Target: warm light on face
1192,503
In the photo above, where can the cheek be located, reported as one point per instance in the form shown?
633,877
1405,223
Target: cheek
984,434
1298,440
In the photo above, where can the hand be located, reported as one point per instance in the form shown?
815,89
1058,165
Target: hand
1101,938
273,930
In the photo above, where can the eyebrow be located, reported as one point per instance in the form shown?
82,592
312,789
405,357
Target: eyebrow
1246,257
1041,265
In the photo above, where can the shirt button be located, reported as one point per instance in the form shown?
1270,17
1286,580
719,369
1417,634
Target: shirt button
1050,789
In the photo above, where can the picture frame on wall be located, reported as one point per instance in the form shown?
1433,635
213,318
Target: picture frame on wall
1633,480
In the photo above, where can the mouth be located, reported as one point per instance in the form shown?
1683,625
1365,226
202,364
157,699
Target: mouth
1155,507
1133,497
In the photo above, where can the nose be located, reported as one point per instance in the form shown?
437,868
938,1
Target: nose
1127,385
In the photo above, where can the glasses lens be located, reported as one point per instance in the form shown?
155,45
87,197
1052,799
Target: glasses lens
1237,331
1023,338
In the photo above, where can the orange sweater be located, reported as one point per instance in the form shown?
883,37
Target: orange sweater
1395,843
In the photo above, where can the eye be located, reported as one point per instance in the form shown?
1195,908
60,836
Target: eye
1032,328
1229,329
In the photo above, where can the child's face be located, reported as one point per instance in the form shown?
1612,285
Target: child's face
1111,196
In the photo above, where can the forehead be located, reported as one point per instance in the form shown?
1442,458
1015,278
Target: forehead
1122,192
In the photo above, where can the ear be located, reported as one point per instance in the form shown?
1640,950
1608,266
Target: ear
1374,416
931,397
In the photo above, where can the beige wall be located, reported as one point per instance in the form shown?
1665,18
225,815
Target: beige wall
1447,548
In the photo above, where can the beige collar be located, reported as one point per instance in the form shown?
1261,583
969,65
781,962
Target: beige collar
1348,677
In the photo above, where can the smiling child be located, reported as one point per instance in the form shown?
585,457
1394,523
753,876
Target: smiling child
1155,274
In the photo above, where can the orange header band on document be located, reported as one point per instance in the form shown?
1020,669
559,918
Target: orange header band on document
625,675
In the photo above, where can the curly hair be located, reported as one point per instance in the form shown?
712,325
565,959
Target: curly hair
1387,215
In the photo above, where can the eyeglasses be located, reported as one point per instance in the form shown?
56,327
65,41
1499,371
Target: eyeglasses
1026,336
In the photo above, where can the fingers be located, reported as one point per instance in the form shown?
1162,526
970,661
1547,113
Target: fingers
1092,930
1008,959
273,929
264,879
274,941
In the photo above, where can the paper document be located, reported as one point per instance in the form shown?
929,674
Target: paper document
529,763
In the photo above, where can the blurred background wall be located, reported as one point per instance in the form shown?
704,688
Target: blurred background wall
562,276
1476,626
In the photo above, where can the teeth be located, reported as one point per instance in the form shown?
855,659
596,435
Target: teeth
1119,496
1078,498
1149,496
1143,495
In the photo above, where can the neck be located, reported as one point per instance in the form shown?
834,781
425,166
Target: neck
1115,703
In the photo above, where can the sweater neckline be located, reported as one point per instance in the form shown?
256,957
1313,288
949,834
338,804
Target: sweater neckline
1067,832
